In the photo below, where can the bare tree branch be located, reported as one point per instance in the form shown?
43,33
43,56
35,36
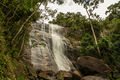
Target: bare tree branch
22,45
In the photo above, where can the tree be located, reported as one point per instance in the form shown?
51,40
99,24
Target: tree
114,11
90,6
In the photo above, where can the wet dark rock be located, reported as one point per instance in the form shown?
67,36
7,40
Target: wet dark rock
64,75
68,75
70,51
77,73
93,64
46,75
93,78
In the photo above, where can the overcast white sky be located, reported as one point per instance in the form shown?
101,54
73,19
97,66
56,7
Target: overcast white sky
70,6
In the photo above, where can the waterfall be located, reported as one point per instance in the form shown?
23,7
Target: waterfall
48,48
61,60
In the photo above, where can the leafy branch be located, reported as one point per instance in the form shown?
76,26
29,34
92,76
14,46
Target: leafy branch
25,23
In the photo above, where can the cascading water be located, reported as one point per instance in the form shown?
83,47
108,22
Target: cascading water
61,60
47,48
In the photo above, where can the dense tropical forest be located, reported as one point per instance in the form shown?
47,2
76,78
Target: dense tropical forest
89,36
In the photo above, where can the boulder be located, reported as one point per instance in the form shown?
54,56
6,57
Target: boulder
64,75
77,73
46,75
93,78
93,64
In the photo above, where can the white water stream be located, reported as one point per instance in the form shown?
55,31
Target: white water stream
61,60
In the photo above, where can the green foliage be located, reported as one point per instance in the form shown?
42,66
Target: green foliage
118,79
20,78
114,11
88,46
13,13
76,24
105,45
112,38
6,67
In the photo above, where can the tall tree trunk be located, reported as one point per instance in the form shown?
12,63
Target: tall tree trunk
93,32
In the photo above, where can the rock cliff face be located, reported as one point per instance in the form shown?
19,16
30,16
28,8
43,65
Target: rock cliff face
41,48
49,49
